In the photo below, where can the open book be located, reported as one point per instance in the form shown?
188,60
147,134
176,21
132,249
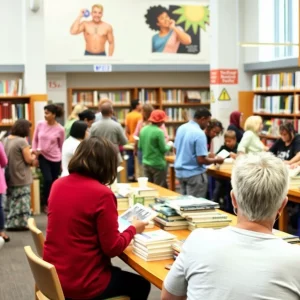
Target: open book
138,211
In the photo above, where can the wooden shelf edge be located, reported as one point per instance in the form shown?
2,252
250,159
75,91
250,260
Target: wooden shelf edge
276,115
277,92
269,137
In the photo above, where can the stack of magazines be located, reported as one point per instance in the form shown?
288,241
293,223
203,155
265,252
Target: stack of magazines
154,245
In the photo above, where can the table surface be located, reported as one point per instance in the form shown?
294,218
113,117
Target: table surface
155,271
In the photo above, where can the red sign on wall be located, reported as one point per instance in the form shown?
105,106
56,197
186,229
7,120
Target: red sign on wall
224,76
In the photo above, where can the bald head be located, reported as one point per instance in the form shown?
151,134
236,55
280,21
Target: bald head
106,109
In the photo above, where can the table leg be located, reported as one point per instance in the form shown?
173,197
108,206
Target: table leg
283,220
172,178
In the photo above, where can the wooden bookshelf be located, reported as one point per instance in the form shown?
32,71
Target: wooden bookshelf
178,110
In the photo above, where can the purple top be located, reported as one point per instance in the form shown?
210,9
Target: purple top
3,163
49,140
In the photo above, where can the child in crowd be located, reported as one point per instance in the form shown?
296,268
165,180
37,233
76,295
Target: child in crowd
230,144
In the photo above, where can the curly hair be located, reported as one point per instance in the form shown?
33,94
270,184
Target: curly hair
152,14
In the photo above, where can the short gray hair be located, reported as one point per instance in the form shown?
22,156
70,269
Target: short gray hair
260,183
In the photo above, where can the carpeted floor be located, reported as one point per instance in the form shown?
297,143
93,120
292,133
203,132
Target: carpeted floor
16,282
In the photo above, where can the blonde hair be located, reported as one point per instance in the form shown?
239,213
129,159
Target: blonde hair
97,6
253,123
78,108
104,100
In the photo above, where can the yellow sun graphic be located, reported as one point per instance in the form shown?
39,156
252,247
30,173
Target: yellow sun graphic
193,15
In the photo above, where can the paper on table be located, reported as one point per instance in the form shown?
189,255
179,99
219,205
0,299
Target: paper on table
223,154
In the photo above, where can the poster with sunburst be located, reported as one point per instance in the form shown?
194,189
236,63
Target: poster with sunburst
178,27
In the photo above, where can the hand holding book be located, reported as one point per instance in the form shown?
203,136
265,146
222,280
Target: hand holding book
139,225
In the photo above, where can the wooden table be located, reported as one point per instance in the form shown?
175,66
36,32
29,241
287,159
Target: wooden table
155,271
171,159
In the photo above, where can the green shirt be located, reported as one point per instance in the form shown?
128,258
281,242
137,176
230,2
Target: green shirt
68,126
153,146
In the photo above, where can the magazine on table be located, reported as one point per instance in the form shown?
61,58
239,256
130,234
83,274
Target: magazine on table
137,211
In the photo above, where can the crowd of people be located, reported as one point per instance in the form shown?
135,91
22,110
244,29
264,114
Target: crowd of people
82,232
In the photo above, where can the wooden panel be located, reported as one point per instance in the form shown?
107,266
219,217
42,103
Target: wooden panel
246,104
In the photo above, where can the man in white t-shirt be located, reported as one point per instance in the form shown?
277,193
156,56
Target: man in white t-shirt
245,262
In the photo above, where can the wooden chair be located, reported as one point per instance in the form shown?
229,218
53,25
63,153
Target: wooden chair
46,278
37,236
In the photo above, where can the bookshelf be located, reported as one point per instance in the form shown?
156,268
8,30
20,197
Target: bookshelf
179,103
276,98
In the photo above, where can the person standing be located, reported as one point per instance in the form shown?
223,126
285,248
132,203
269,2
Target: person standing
20,159
109,129
78,108
192,155
47,143
3,187
235,121
131,122
153,147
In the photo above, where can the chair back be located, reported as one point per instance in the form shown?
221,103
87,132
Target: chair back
37,235
45,276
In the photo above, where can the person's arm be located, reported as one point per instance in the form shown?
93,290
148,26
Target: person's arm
61,139
182,36
3,157
35,140
245,142
163,147
78,27
111,41
122,138
113,243
164,129
295,159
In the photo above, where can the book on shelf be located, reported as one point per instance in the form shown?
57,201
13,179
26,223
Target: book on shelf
271,126
175,96
92,98
11,87
284,81
137,211
148,96
281,104
11,112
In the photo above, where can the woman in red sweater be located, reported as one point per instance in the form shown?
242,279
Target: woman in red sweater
82,232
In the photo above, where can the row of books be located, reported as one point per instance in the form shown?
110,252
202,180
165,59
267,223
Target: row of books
121,114
179,113
183,96
276,104
172,131
93,98
275,82
271,126
9,112
11,87
148,96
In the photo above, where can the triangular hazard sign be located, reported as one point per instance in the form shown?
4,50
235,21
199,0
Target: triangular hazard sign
212,97
224,96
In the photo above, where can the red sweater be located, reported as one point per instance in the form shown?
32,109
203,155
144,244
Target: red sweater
82,235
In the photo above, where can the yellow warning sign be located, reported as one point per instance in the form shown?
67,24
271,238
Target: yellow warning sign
212,97
224,96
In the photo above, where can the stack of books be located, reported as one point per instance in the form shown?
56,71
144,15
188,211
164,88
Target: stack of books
177,246
289,238
144,196
199,212
294,178
168,218
154,245
123,202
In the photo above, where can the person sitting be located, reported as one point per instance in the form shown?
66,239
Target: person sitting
230,145
78,133
214,128
82,232
235,121
287,147
246,261
250,142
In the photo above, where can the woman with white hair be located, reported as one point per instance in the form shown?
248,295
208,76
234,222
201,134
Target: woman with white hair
246,261
250,142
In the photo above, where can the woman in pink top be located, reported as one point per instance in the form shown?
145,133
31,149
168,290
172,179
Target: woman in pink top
146,112
3,163
47,143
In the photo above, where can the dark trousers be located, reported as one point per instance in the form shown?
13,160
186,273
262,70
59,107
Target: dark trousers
124,283
1,214
130,164
50,171
156,176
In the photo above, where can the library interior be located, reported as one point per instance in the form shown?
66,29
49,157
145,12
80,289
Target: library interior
165,168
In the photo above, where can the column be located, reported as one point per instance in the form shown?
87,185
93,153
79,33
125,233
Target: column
34,50
227,76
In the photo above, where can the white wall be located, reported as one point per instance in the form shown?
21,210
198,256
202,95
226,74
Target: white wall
11,49
146,79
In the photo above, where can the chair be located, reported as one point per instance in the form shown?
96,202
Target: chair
37,236
46,278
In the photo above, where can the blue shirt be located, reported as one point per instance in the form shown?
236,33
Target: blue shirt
190,142
159,42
